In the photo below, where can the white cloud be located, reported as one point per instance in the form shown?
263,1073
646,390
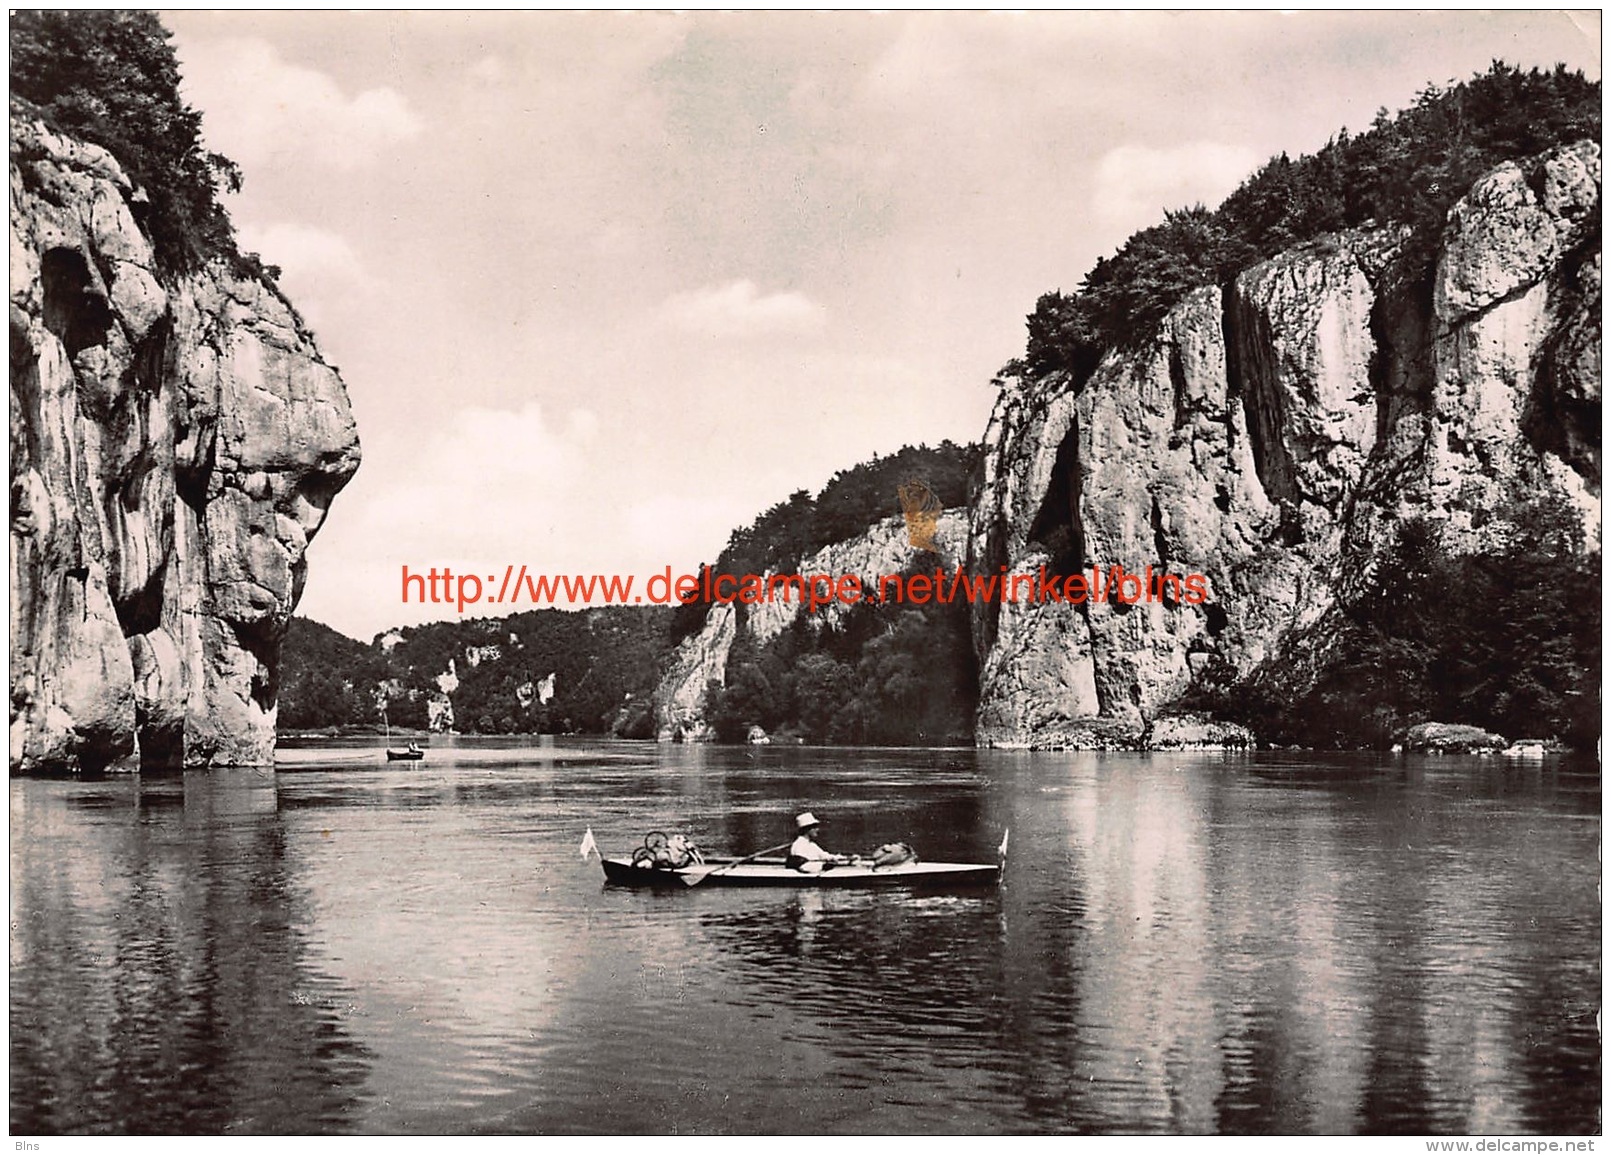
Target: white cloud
484,482
676,530
319,269
260,107
739,309
1134,185
307,253
492,488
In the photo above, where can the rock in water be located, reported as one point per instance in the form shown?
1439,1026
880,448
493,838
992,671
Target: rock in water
1449,738
175,444
1268,437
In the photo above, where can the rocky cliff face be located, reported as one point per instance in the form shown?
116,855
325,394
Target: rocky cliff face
175,443
1269,436
700,661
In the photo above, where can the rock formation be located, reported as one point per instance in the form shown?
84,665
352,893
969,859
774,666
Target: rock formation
175,444
1268,436
700,661
439,717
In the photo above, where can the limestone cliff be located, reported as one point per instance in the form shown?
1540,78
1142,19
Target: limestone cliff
1269,434
700,660
175,444
698,663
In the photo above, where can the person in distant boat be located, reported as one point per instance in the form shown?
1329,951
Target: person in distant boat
413,747
805,855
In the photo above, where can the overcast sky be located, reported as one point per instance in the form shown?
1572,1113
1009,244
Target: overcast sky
603,287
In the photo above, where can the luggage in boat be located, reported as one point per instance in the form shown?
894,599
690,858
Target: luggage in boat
663,852
893,854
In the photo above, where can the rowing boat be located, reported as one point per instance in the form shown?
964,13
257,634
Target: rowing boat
412,754
772,872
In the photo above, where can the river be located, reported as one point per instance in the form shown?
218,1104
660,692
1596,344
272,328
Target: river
1194,943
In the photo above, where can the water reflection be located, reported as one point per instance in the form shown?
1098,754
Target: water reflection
1183,943
158,977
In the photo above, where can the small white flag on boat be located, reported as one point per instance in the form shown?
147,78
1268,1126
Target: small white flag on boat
1001,851
588,845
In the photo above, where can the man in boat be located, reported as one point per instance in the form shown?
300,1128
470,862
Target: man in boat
805,855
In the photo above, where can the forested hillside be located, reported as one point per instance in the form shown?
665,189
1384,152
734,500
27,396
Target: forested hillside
888,678
887,675
328,679
1497,640
852,500
588,671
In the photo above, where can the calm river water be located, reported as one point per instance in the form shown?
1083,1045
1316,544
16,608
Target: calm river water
1184,943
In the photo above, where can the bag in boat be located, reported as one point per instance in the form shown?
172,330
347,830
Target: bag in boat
661,852
892,854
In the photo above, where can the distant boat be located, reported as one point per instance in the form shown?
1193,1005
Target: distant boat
412,754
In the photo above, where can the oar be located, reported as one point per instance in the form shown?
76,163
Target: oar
696,879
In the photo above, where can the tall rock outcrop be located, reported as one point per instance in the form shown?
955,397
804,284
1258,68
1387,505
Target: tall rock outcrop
698,663
175,444
1268,435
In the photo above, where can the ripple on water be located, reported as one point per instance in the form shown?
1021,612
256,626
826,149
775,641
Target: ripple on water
1189,943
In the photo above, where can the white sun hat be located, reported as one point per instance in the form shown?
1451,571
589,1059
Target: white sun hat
804,820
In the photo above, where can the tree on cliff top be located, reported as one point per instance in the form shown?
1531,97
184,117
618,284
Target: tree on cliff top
852,501
110,78
1408,169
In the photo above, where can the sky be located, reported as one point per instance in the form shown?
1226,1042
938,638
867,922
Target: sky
605,286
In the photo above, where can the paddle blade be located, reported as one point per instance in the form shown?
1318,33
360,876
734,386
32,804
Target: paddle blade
588,845
1001,851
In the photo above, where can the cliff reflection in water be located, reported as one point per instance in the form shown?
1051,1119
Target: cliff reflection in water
1332,953
1325,953
159,982
1183,943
